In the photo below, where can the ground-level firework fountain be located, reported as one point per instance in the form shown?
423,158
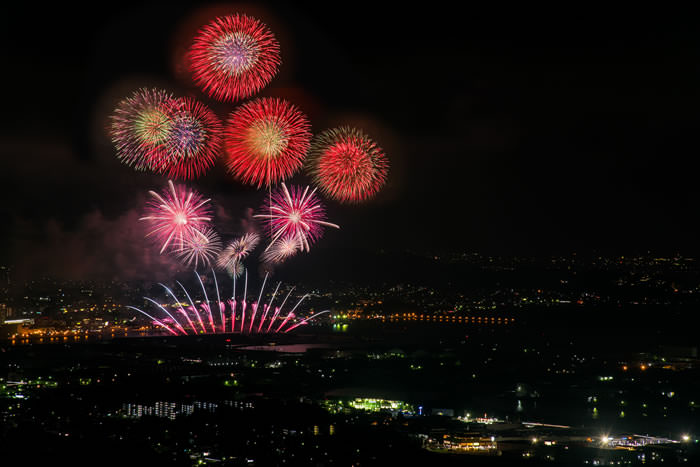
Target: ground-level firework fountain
233,315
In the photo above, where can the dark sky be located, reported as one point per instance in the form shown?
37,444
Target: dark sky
529,132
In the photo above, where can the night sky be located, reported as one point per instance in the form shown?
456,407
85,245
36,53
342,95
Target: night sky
524,133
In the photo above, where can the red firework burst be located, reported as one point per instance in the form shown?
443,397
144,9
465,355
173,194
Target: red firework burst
266,141
347,165
233,57
192,142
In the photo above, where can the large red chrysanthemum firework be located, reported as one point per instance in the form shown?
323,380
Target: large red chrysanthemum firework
140,125
233,57
347,165
266,141
192,142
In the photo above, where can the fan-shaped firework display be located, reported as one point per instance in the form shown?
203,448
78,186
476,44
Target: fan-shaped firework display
282,249
140,126
237,250
233,57
230,316
201,248
266,141
192,142
347,165
296,214
176,216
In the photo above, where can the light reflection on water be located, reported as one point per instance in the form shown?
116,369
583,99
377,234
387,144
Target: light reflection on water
60,339
289,348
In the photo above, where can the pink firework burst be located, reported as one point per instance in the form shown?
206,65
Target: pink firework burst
192,142
282,249
140,126
266,141
200,248
233,57
176,215
297,214
236,252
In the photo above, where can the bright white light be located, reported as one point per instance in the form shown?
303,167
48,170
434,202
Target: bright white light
685,438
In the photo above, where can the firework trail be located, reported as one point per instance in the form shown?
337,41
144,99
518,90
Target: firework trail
266,141
176,216
153,319
202,247
256,304
244,304
192,142
347,165
233,57
306,320
220,303
181,310
295,214
267,306
291,313
227,311
177,323
193,308
140,126
207,305
231,258
277,309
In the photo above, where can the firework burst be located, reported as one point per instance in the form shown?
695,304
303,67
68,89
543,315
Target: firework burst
192,142
235,269
140,126
236,252
176,216
295,214
266,141
347,165
201,248
282,249
233,57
